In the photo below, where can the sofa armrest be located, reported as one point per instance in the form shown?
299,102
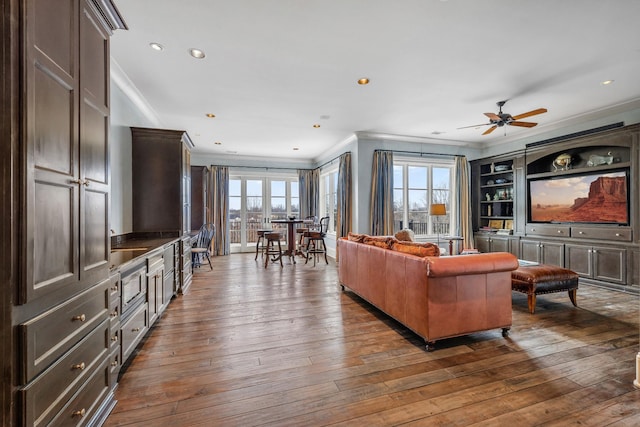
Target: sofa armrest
484,263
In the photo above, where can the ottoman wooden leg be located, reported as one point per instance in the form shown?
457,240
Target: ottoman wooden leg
573,294
531,299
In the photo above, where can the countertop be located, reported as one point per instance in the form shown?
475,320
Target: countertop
131,250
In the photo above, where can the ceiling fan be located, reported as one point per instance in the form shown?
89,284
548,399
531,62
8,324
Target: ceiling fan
501,119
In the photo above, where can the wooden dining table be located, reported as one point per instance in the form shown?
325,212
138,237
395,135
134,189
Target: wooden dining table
291,236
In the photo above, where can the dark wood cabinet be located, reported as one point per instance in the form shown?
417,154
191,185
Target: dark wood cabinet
597,262
55,319
161,181
199,196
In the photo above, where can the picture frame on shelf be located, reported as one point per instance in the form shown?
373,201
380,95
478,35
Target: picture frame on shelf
496,223
508,224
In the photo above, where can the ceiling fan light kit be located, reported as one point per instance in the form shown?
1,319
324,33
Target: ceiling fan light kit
500,119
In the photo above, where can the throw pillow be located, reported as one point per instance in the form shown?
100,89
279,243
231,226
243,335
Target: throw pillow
405,235
384,242
418,249
355,237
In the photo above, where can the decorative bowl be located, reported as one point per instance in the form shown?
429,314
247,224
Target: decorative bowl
501,168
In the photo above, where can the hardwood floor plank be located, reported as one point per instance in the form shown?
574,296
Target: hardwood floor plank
248,346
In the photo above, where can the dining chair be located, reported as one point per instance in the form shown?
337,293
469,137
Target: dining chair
202,247
307,225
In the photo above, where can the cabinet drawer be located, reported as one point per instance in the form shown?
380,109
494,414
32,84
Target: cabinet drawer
155,261
86,402
134,286
51,334
44,396
114,367
602,233
133,330
549,230
114,286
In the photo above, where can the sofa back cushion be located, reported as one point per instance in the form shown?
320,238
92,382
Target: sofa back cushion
384,242
416,248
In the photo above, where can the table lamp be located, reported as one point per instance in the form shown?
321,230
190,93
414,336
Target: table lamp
438,209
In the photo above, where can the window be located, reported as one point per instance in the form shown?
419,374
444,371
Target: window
417,184
329,197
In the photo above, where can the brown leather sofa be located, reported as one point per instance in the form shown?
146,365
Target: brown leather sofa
435,297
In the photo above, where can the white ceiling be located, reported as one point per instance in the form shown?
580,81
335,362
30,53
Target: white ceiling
274,68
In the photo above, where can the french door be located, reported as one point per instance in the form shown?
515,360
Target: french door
254,202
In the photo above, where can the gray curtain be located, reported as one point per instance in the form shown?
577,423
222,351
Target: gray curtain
381,213
463,214
344,194
309,192
220,209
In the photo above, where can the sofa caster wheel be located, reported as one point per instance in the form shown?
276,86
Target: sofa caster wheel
430,345
341,287
505,332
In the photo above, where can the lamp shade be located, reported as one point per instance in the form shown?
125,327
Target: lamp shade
438,209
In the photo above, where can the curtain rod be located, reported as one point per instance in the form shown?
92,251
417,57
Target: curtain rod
332,160
255,167
422,153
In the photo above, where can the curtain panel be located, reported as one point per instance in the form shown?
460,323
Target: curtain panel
344,196
463,214
309,192
381,212
220,209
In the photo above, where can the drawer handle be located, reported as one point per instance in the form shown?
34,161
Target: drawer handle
81,318
618,234
559,231
114,288
79,413
114,363
135,330
114,313
114,338
80,366
581,232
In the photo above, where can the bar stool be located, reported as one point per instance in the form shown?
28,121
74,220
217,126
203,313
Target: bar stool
315,238
260,244
271,251
307,225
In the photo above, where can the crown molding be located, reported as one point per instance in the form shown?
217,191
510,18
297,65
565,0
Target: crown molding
415,139
121,79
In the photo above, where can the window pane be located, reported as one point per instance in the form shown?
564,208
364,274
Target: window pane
417,177
278,188
441,177
397,176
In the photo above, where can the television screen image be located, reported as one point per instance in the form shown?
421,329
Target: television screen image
589,198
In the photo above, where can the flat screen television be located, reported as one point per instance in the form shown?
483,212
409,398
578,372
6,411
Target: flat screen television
591,198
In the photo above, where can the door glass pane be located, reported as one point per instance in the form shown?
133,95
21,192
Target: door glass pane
254,209
441,194
295,199
417,177
418,212
398,199
235,210
278,200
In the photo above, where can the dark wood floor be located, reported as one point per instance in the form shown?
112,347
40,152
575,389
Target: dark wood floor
285,347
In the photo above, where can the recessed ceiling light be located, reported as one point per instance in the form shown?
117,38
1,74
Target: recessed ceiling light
210,115
607,82
196,53
316,126
156,46
325,117
218,143
363,81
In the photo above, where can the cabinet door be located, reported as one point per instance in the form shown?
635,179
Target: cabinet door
610,264
578,259
552,253
483,243
52,173
94,146
499,245
530,250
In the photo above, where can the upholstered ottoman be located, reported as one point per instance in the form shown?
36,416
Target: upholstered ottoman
534,279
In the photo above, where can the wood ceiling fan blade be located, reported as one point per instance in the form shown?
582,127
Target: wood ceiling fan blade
523,124
491,129
530,113
493,117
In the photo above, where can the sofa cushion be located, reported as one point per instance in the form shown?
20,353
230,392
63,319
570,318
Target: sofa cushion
405,235
384,242
416,248
355,237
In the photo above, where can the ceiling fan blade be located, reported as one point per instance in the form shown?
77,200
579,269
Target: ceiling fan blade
474,126
530,113
523,124
493,117
491,129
